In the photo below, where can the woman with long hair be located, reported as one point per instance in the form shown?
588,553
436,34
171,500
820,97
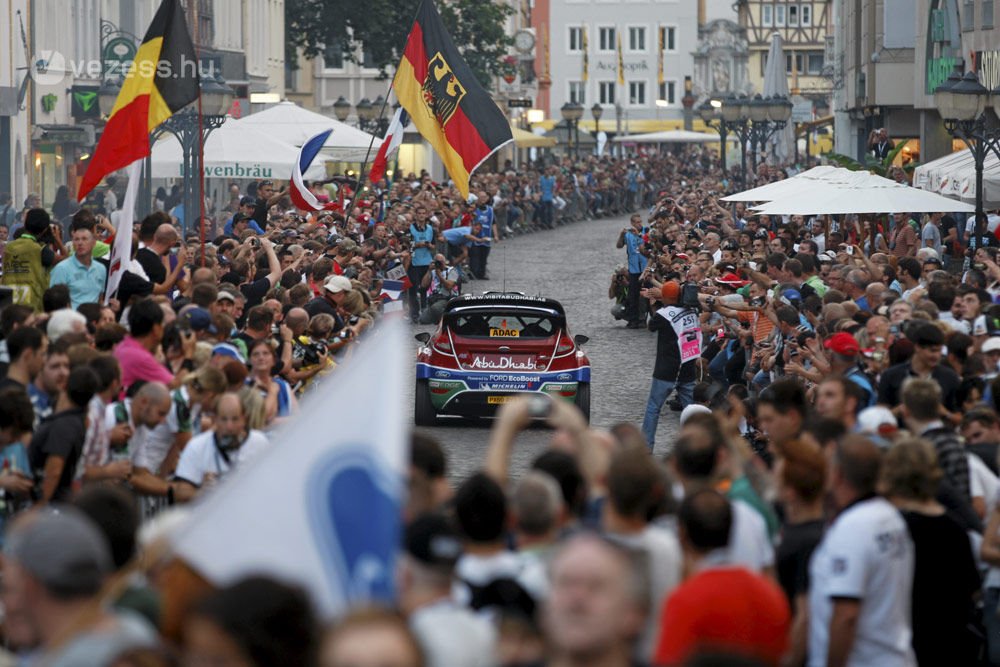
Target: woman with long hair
279,399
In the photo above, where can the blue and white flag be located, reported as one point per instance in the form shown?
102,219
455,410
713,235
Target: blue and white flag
321,506
300,195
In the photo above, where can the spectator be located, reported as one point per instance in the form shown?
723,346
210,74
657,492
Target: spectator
84,277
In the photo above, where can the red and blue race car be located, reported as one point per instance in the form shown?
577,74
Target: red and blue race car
492,347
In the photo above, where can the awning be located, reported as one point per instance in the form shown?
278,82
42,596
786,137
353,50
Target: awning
525,139
667,137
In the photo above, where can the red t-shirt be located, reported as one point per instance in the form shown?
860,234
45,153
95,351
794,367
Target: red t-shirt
729,609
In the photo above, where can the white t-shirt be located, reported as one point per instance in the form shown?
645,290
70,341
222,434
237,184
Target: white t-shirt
201,456
158,442
453,636
749,543
982,482
867,555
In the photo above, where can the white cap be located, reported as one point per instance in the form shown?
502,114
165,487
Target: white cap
991,344
877,420
692,409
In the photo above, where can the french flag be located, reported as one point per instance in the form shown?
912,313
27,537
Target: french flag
393,138
303,199
392,291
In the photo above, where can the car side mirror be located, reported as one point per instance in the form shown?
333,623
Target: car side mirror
580,339
423,337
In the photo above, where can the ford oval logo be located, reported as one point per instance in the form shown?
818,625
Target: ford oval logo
442,374
563,377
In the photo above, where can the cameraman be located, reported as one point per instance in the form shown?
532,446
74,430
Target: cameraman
440,284
29,257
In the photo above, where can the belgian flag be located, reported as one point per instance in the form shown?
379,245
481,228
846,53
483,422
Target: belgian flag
447,104
163,79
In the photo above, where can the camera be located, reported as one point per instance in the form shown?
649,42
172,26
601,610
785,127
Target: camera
689,296
757,301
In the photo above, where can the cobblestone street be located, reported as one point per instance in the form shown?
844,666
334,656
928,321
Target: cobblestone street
573,264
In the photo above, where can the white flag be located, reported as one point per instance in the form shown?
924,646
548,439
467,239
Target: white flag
121,251
321,506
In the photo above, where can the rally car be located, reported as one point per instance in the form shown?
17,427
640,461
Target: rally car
492,347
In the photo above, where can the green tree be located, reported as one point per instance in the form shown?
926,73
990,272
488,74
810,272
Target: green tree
381,27
871,163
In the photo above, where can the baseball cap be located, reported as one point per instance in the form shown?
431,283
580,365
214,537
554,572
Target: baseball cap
240,217
877,420
842,343
791,297
63,549
335,284
431,540
992,344
925,334
347,245
199,319
248,201
670,291
225,295
693,409
732,280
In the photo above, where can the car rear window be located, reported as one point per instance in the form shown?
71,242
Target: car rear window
503,325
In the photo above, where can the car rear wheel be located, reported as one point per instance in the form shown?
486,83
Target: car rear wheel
423,410
582,399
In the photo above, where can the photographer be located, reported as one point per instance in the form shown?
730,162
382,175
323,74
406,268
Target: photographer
633,240
29,257
440,284
678,349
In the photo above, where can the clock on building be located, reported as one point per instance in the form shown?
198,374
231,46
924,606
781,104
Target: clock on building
524,41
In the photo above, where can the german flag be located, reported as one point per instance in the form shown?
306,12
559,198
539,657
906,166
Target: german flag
447,104
163,79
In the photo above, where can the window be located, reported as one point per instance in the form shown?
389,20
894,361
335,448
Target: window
606,92
798,60
637,93
637,39
814,63
668,92
793,15
575,41
668,38
767,15
577,92
987,16
779,16
333,56
806,15
606,39
968,15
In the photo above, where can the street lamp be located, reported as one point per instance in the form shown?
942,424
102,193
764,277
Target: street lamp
366,113
754,121
572,112
710,112
107,95
597,111
962,102
341,109
192,131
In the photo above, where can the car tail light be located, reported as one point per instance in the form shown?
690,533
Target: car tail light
565,345
442,343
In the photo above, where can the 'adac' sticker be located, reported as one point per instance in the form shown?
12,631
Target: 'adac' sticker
504,333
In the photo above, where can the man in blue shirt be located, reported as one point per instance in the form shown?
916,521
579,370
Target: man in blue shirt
633,240
547,189
84,277
480,250
247,206
422,236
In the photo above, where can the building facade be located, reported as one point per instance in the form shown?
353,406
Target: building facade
805,28
15,125
651,41
77,46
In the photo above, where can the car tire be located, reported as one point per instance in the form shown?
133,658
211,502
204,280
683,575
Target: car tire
582,399
423,410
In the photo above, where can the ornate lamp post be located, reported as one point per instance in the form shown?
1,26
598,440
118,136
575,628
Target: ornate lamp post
710,113
596,111
341,109
962,102
572,112
754,121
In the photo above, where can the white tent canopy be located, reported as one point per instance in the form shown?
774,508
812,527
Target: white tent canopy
809,179
667,137
954,175
290,123
867,193
234,152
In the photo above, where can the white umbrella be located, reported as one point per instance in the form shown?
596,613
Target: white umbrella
233,152
776,84
294,125
871,194
811,178
668,137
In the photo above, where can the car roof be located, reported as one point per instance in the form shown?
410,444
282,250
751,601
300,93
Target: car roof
504,300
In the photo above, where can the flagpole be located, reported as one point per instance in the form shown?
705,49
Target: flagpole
201,174
364,165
